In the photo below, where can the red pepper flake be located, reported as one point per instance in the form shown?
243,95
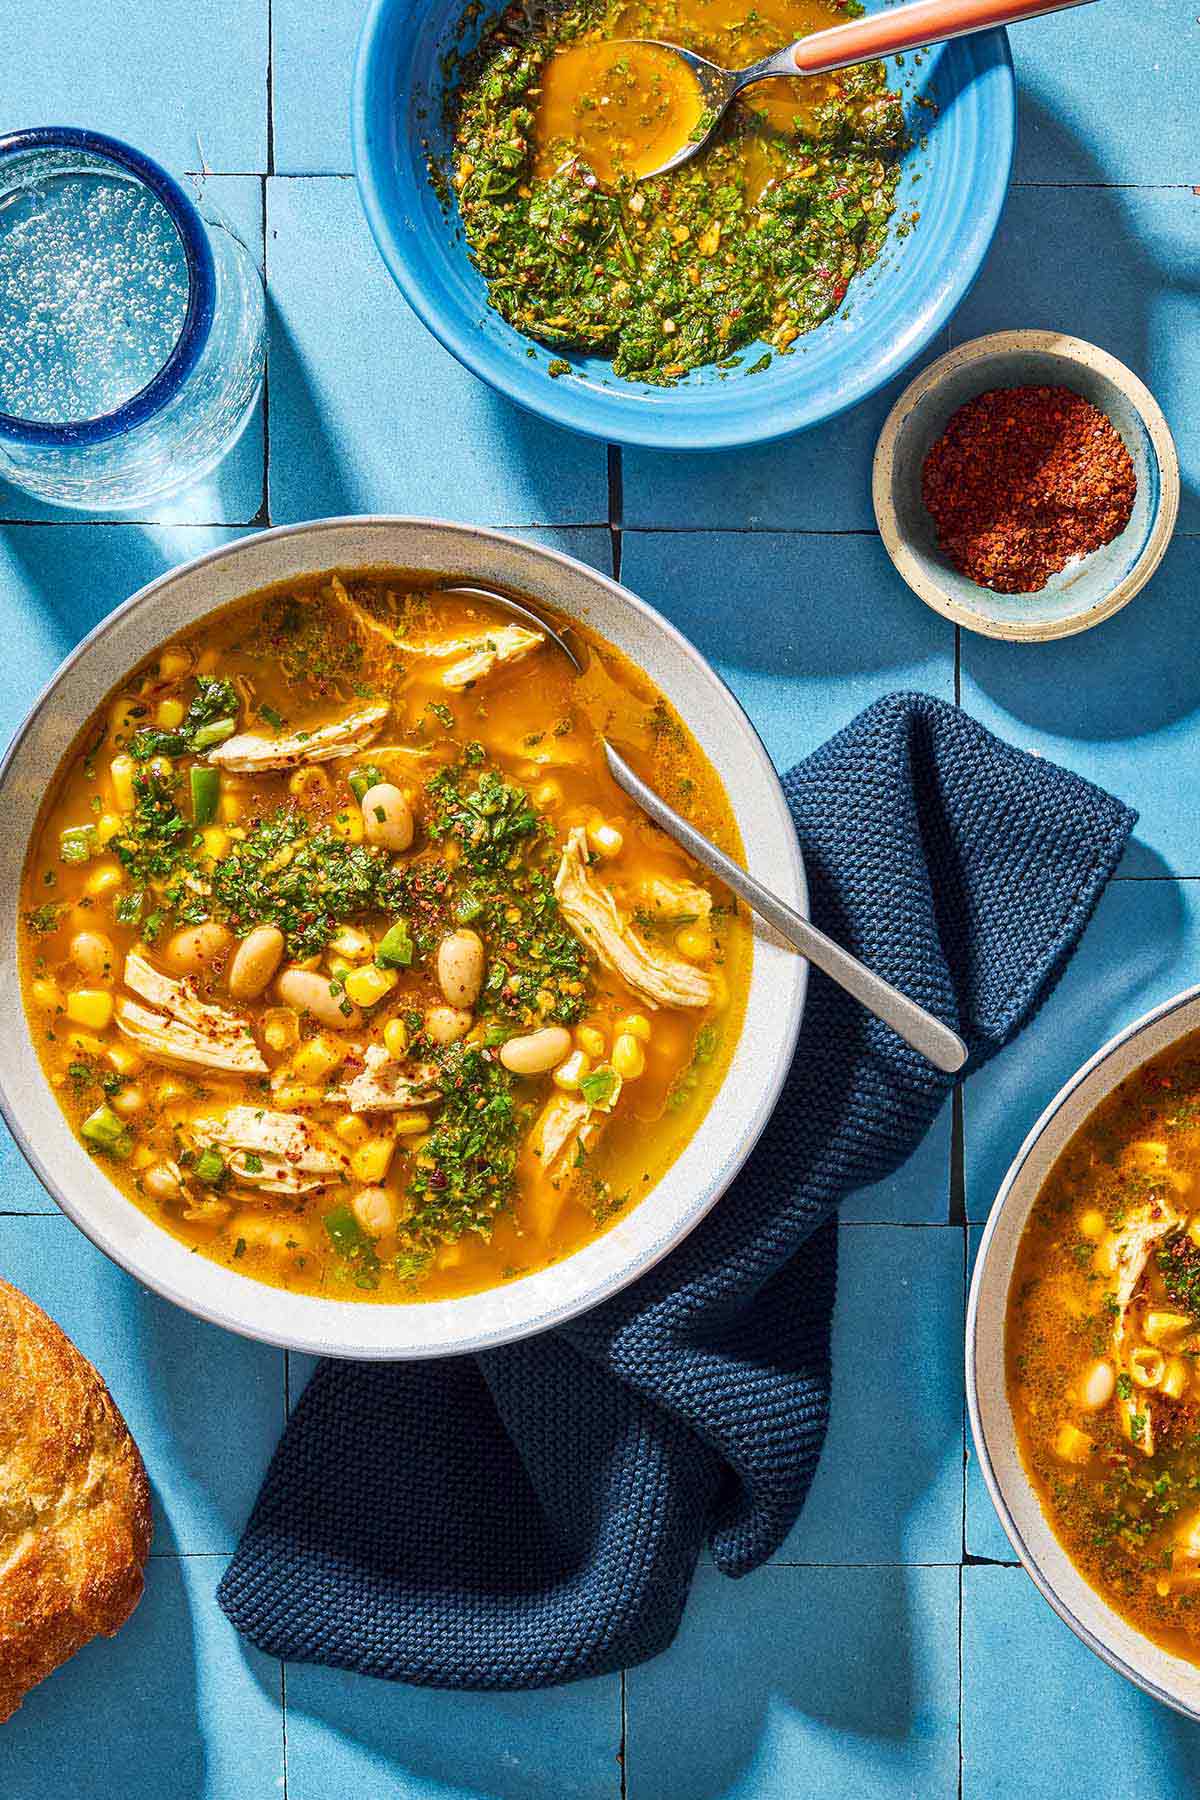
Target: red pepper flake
1022,481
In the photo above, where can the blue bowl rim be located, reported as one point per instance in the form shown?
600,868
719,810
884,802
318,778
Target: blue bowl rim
202,289
562,404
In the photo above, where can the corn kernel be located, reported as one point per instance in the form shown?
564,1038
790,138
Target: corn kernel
216,842
298,1093
547,795
317,1058
1175,1378
635,1025
121,769
591,1041
173,663
143,1156
1193,1229
1160,1325
128,1101
162,766
628,1057
395,1038
169,1091
411,1124
106,828
347,823
1091,1225
104,878
124,1058
1072,1444
605,840
571,1072
352,1130
367,986
370,1161
694,943
280,1028
170,713
92,1007
46,992
83,1040
229,809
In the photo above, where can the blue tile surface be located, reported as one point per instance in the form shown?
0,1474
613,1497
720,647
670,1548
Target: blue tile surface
1142,946
175,1705
234,491
838,1683
360,417
1044,1718
1118,705
835,1670
1103,104
187,84
897,1386
807,630
349,1736
205,1407
1116,266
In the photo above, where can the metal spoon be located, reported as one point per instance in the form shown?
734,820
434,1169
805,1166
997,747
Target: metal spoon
943,1047
858,40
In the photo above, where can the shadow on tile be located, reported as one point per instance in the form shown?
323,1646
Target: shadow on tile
326,475
802,1682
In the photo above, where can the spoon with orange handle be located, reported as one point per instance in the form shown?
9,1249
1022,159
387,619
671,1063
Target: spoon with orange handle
935,1041
876,34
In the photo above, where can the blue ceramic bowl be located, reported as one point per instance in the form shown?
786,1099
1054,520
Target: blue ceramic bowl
1092,587
962,155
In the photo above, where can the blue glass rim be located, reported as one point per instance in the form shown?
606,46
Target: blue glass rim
202,288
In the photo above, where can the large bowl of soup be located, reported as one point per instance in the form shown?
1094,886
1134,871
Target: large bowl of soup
353,1007
1083,1353
782,278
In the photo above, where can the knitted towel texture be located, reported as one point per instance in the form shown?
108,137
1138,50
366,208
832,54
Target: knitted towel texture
534,1514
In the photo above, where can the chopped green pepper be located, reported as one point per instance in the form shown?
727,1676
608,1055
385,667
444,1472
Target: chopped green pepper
75,843
106,1132
209,1167
395,948
206,792
216,733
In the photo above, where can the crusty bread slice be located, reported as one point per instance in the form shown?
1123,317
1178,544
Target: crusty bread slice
74,1502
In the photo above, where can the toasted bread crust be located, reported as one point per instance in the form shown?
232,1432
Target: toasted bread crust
74,1502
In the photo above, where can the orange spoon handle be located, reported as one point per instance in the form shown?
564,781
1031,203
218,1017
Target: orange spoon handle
910,27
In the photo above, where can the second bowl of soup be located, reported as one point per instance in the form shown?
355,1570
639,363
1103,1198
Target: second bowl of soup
1083,1353
351,979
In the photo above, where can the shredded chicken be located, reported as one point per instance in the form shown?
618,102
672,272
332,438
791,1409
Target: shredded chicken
668,899
594,916
186,1032
470,656
250,754
278,1153
1130,1248
386,1085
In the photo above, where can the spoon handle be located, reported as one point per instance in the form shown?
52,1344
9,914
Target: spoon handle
935,1041
909,28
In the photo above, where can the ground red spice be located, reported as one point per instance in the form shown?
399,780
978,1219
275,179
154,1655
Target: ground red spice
1024,479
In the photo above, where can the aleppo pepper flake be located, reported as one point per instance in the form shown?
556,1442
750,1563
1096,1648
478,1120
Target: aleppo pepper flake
1022,481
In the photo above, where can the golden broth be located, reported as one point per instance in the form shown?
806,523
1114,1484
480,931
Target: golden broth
380,1148
1103,1349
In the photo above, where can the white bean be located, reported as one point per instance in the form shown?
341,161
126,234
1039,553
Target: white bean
446,1024
387,817
538,1053
195,947
374,1210
1096,1388
161,1182
460,967
307,991
93,955
255,961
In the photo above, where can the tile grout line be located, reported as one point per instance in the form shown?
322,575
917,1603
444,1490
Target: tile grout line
623,1753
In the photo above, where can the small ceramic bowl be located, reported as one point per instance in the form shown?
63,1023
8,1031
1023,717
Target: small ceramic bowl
1088,590
722,1140
1167,1677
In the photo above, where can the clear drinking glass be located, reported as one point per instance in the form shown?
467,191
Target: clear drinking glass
132,324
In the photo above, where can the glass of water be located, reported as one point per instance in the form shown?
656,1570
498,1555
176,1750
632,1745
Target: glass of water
132,324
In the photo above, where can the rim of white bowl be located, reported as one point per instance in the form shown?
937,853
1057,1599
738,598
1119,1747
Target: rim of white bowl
1029,1561
965,356
220,1295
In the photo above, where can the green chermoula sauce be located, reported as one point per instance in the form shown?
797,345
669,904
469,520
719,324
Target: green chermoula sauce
759,238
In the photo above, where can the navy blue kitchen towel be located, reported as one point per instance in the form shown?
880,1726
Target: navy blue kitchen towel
534,1514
